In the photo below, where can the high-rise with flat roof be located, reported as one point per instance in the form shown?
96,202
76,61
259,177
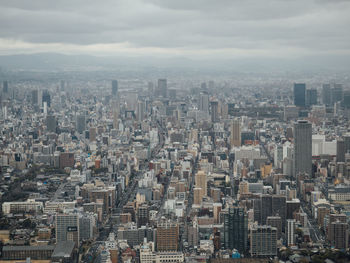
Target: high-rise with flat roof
114,88
236,229
302,147
67,228
299,94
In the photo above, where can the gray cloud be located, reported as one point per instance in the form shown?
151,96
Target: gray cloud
270,28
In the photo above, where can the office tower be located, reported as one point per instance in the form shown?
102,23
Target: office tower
290,232
192,234
203,86
35,97
337,93
47,98
142,215
92,134
299,94
167,236
346,143
236,229
81,124
346,100
162,87
211,84
67,228
216,212
201,182
326,94
302,147
293,206
339,235
114,88
311,97
197,195
116,110
66,159
340,150
266,207
87,225
204,102
51,123
257,210
279,207
263,241
275,221
278,155
214,111
235,129
140,111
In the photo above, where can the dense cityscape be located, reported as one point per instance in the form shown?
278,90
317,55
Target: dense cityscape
170,131
174,171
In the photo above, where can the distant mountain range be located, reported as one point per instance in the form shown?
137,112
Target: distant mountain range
60,62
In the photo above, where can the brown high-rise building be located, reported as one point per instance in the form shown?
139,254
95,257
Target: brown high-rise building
321,214
339,235
235,137
167,236
66,160
201,182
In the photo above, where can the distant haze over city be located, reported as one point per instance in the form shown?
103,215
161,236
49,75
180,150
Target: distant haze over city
243,36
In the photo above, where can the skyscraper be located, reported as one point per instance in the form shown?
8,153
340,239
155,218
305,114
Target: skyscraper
114,88
337,93
162,87
214,111
236,229
311,97
204,102
299,94
235,137
302,147
5,87
291,232
51,123
263,241
67,228
167,236
326,94
81,123
47,98
201,182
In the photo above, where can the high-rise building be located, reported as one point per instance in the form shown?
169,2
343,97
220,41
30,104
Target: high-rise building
67,228
302,147
140,110
51,123
340,150
346,100
201,182
263,241
197,195
235,137
275,221
167,236
311,97
142,215
204,102
290,232
339,235
114,88
337,93
92,134
326,94
214,105
35,97
279,207
47,98
236,229
299,94
162,87
81,123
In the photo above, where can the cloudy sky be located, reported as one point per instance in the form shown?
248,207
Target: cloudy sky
192,28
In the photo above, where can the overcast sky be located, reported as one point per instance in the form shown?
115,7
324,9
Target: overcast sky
192,28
